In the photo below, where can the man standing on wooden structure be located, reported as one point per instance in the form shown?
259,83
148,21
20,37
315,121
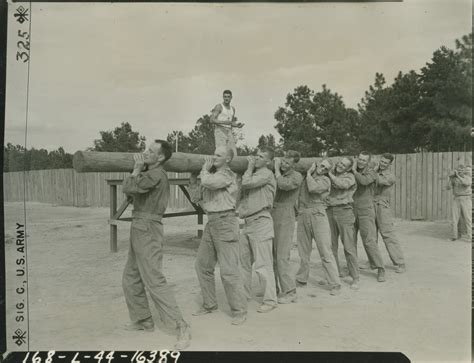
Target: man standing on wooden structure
256,201
149,188
384,182
217,194
364,212
460,182
313,224
284,218
341,216
223,118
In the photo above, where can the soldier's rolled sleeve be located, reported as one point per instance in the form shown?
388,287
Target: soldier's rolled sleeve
289,182
344,181
387,179
465,180
142,183
250,181
195,192
215,181
318,186
365,179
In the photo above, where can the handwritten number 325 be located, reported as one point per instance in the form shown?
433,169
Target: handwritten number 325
23,45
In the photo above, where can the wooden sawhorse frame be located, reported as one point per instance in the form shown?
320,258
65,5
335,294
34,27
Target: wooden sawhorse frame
115,213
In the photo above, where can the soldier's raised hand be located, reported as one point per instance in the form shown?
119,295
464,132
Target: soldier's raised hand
208,162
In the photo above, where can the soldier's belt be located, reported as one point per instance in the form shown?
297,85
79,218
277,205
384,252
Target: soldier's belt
144,215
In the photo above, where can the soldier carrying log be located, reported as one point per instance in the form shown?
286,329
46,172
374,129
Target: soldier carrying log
149,189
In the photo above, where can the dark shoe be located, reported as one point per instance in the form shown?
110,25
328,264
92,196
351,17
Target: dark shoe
288,299
265,308
204,311
381,275
400,269
323,282
336,290
145,324
453,239
301,284
239,320
184,337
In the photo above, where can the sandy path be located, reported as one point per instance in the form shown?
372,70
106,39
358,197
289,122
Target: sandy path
76,300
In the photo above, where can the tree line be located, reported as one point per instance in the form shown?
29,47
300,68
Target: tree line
429,110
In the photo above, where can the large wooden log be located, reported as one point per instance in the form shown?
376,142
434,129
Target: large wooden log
92,161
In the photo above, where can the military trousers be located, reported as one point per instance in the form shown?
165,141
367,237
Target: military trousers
257,248
144,270
220,243
365,224
284,226
462,207
385,225
341,223
313,224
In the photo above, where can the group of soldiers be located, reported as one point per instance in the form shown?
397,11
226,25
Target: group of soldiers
331,202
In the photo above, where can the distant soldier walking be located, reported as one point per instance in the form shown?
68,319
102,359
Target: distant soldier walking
460,182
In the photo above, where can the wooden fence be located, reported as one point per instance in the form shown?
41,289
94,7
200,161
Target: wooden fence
420,191
66,187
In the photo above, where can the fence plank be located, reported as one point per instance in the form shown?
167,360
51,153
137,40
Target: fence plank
468,158
436,185
443,178
419,184
429,186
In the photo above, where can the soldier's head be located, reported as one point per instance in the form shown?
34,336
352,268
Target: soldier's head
264,157
385,161
222,157
289,160
158,152
363,159
324,166
227,96
343,165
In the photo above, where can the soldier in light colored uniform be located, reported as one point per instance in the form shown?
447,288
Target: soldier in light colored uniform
284,218
364,212
341,216
220,241
313,223
223,118
460,182
384,182
150,192
257,194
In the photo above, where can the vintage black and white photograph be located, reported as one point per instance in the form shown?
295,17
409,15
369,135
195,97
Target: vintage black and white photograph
239,177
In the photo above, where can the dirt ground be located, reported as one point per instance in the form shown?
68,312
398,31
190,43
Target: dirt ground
76,300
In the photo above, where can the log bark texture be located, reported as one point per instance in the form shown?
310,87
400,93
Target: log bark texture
94,161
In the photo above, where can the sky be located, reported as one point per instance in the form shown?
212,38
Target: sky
162,66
